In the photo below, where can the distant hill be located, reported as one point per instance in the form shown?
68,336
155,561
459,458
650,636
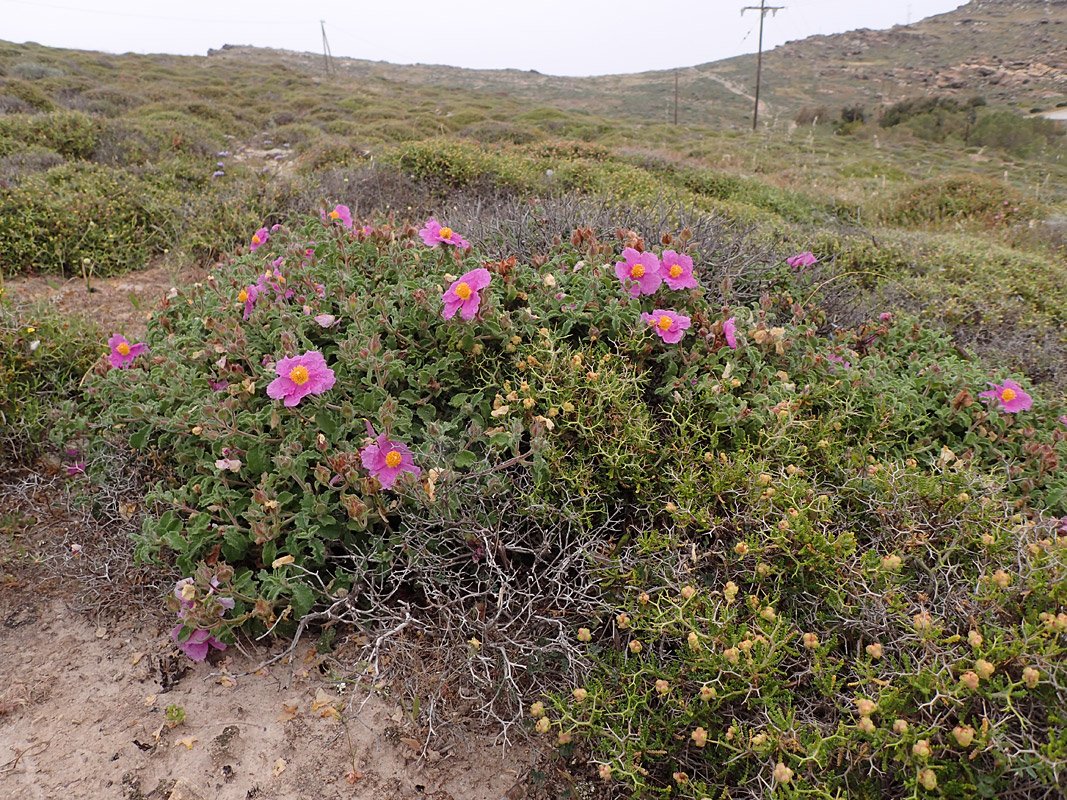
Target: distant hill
1010,51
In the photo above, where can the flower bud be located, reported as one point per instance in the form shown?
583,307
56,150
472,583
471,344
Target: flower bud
928,779
921,749
700,737
964,735
984,669
782,773
662,687
811,641
584,635
1031,677
580,694
874,650
974,639
970,680
866,725
900,727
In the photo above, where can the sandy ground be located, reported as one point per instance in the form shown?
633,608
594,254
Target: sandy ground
119,304
83,714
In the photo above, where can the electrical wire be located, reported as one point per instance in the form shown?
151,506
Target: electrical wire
164,19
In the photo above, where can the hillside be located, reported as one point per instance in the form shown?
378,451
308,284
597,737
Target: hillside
1010,51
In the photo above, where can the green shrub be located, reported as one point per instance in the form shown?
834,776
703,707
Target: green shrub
44,353
958,201
72,134
52,221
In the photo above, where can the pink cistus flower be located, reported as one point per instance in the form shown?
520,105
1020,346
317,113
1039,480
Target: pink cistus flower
340,214
300,376
1011,397
386,459
835,358
667,324
200,641
640,270
259,238
122,352
729,332
248,296
677,270
805,259
463,295
434,234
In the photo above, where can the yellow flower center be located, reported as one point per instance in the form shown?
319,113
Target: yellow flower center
1007,395
124,349
676,271
664,323
255,239
463,291
392,459
334,215
446,233
637,271
299,375
243,296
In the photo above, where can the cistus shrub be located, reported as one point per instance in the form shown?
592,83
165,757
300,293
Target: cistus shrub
745,548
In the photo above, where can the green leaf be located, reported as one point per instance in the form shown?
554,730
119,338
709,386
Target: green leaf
303,599
464,459
257,460
140,439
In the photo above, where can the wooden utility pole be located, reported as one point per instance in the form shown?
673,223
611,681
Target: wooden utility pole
676,97
327,55
762,8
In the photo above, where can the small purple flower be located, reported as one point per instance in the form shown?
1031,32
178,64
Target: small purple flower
677,270
259,238
200,641
729,332
122,352
667,324
217,174
886,316
1011,397
463,295
805,259
77,468
340,214
300,376
386,459
218,386
839,360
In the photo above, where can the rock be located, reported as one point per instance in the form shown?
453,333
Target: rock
184,791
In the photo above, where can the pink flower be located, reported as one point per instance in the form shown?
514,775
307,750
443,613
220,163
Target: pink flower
433,234
386,459
1011,396
326,320
1063,419
248,296
300,376
259,238
122,352
729,331
667,324
198,644
200,641
339,214
643,269
805,259
218,386
677,270
839,360
463,295
77,468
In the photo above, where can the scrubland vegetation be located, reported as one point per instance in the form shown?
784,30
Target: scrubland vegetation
795,546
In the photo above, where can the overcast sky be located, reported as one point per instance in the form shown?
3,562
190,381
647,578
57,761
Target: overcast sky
559,37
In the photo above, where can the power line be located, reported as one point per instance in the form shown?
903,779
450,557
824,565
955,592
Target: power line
762,8
99,12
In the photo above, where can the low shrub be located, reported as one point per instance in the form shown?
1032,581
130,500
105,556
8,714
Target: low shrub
958,201
44,353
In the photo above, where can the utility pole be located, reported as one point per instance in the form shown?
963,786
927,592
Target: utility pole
762,8
676,97
327,55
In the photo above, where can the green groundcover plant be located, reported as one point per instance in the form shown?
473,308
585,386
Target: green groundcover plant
833,562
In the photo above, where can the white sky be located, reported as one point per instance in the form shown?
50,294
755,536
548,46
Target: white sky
559,37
